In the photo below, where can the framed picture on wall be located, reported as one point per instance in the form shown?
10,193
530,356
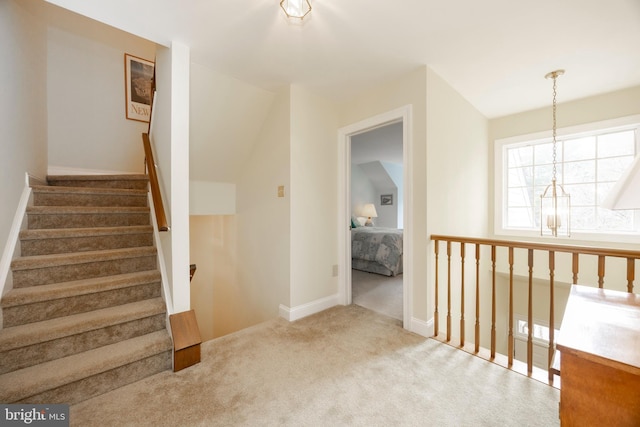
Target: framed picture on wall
386,199
138,81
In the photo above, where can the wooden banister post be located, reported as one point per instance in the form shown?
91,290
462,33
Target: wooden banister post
530,315
436,314
477,331
462,255
448,291
510,335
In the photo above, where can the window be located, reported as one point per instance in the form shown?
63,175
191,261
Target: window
540,331
588,164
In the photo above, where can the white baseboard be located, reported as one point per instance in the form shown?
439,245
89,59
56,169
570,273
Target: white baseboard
308,309
64,170
420,327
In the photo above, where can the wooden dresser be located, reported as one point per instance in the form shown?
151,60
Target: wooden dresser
599,343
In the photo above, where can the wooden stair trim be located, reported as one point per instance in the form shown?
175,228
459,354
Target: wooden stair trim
156,194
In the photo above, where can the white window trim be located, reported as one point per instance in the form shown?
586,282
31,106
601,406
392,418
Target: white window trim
537,322
574,131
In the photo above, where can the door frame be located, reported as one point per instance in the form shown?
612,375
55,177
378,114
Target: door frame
404,115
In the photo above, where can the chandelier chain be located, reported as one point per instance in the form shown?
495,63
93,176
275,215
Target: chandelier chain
554,127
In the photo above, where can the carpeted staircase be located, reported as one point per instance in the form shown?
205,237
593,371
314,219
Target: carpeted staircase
85,315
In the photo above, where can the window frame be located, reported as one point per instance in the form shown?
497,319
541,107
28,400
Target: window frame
499,178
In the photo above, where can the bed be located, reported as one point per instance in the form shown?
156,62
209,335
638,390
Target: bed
377,250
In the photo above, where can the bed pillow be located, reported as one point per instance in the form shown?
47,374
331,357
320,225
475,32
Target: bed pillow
354,222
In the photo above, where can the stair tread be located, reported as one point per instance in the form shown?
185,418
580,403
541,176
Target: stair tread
32,294
50,233
51,260
84,207
48,330
87,190
36,379
57,210
100,177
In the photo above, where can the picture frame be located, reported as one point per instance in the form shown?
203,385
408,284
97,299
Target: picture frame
386,199
138,82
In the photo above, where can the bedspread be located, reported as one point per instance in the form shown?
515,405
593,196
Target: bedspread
377,244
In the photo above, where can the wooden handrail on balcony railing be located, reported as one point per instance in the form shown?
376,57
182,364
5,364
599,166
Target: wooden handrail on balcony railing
530,247
158,205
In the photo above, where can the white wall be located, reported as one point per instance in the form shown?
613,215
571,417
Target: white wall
87,124
362,190
226,118
395,172
171,151
263,220
382,184
23,114
314,174
457,185
212,198
457,163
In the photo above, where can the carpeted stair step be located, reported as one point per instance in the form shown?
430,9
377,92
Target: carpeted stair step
28,345
44,217
61,240
132,182
38,303
84,375
50,195
86,314
46,269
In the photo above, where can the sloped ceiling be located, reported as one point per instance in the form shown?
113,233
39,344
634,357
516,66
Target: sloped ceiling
382,144
378,176
226,115
495,53
370,149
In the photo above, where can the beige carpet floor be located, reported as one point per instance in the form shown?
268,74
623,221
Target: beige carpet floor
378,293
346,366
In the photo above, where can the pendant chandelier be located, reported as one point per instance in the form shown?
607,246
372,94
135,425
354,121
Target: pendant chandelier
296,8
555,203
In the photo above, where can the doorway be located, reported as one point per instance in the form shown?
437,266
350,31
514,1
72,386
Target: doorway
401,119
377,185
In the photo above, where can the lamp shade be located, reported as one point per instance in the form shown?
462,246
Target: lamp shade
369,211
626,193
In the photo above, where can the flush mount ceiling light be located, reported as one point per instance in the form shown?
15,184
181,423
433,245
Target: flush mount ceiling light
555,206
296,8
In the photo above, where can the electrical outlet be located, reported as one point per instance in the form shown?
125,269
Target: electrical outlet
280,190
335,270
